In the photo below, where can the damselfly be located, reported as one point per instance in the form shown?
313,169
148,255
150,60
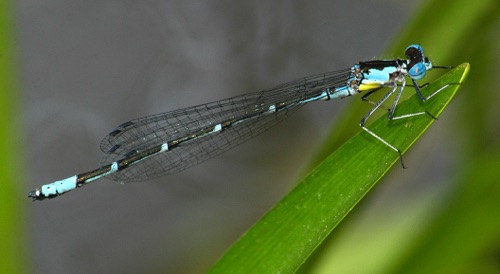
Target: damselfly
169,142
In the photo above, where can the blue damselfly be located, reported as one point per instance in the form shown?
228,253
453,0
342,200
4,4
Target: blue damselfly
169,142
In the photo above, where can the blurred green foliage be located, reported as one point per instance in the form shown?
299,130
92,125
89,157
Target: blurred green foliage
12,233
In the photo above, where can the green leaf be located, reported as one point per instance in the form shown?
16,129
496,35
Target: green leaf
286,236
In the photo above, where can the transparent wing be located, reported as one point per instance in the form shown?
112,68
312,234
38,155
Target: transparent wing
250,111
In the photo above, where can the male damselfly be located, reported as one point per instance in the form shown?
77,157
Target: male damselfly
169,142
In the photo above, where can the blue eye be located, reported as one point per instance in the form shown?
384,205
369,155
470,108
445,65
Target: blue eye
417,71
414,51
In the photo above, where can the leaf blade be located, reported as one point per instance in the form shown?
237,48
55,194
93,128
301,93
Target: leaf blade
283,239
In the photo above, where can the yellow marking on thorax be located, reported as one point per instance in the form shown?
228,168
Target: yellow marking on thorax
369,86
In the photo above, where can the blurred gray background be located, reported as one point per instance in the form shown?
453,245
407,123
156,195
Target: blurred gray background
88,66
